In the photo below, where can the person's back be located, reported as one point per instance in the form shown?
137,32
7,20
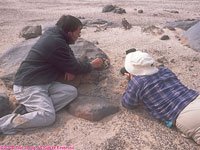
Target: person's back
49,59
163,95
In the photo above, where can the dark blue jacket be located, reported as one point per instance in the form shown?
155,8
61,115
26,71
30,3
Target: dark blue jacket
49,59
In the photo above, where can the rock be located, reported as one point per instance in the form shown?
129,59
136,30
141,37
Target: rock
192,37
94,21
91,108
12,58
172,11
8,80
165,37
172,61
114,9
119,10
162,60
184,24
108,8
126,24
140,11
29,32
170,28
152,30
4,105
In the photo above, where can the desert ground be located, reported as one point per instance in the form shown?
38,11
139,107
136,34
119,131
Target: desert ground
127,129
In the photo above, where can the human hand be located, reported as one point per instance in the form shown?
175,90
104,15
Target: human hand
69,76
130,76
97,63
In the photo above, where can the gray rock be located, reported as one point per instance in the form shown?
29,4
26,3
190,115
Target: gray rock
165,37
119,10
140,11
170,28
108,8
152,30
126,24
184,24
11,58
89,22
29,32
172,11
114,9
92,108
4,105
162,60
192,37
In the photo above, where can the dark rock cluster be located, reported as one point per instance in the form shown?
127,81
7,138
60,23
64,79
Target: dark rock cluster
114,9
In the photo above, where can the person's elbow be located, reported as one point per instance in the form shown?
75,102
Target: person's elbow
127,105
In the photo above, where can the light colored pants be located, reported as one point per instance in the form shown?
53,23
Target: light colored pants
188,120
41,103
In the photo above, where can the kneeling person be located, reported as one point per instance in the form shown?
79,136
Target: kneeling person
36,85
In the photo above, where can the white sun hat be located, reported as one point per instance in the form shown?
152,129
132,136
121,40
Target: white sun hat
140,63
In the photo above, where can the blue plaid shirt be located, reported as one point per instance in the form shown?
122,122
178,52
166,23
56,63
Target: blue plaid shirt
162,94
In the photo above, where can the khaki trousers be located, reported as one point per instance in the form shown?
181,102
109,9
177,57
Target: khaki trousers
188,120
41,103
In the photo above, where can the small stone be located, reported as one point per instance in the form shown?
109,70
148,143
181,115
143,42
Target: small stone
162,60
119,10
108,8
29,32
140,11
172,61
165,37
126,24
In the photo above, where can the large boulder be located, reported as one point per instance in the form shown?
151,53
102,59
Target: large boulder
11,59
192,37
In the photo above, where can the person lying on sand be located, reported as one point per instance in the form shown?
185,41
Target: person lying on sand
162,94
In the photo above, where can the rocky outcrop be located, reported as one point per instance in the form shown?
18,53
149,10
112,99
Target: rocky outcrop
182,24
192,37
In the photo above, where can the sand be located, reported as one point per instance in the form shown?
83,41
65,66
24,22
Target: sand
128,129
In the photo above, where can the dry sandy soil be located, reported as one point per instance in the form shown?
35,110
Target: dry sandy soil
128,129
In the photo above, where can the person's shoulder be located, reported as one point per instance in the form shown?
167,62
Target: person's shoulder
164,69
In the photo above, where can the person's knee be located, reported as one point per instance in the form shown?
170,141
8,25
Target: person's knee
74,92
70,92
